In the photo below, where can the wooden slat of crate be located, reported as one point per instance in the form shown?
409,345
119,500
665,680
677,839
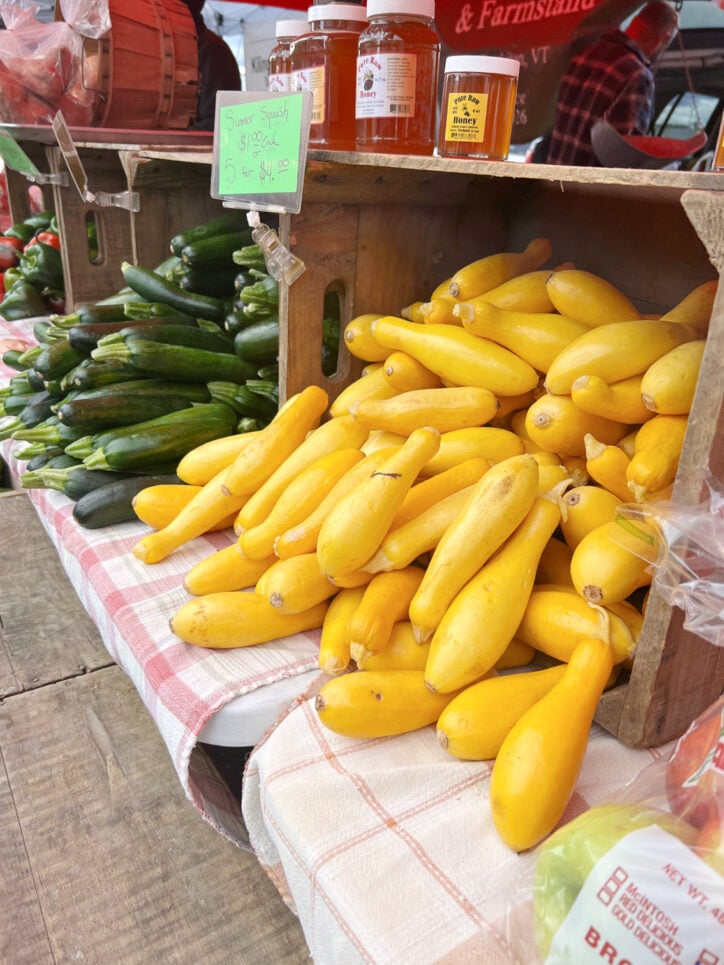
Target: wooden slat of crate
86,280
415,225
174,196
103,858
45,633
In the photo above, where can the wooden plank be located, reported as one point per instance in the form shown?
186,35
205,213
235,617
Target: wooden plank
125,870
45,633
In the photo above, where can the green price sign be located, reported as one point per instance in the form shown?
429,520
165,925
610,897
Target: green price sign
14,156
259,146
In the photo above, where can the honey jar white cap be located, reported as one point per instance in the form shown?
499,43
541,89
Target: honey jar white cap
290,28
474,64
414,8
336,11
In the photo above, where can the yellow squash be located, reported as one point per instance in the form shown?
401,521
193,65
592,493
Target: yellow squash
419,535
656,457
224,570
239,619
373,385
302,538
668,386
537,337
507,404
583,508
554,565
587,298
343,432
439,311
487,273
620,401
361,342
404,373
458,357
157,505
427,493
378,439
607,466
294,585
378,703
209,507
605,570
334,655
475,723
445,409
615,351
522,293
556,424
695,308
495,508
538,763
273,444
402,651
484,442
353,530
297,500
482,619
385,602
201,464
557,618
412,312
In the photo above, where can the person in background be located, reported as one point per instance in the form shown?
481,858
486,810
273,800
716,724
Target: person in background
611,79
218,69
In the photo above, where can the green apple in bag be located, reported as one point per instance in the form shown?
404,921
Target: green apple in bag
569,855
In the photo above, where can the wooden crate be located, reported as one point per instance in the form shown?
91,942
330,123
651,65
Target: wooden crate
383,231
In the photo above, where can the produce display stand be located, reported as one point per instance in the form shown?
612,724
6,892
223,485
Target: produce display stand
337,822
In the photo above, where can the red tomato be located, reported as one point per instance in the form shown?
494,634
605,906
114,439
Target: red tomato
16,243
49,238
8,256
2,285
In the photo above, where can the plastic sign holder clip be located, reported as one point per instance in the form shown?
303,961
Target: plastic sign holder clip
16,159
281,263
129,200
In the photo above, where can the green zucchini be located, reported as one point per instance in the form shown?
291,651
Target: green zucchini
259,342
84,338
36,410
112,503
206,281
178,362
143,311
43,332
211,254
51,432
242,400
188,335
111,412
51,458
247,424
250,256
193,391
14,404
156,289
159,442
264,291
56,359
96,314
232,220
91,374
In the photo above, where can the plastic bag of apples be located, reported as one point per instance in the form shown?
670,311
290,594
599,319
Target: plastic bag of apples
639,880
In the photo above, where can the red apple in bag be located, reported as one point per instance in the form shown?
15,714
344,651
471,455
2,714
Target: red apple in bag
695,773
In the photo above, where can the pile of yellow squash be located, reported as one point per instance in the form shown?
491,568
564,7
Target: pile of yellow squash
453,514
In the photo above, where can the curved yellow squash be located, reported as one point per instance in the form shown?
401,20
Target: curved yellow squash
445,409
588,298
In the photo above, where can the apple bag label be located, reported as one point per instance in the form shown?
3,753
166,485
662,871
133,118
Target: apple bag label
650,900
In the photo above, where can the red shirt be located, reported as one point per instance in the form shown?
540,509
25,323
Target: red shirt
611,79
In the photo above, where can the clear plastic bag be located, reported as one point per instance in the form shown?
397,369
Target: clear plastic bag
639,879
90,18
41,69
686,546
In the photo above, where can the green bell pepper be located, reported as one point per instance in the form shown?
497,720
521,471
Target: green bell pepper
23,300
42,266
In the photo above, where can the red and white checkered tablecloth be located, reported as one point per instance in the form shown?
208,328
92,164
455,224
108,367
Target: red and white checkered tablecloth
131,603
386,848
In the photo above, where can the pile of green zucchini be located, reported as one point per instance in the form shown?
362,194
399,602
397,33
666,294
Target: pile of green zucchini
113,395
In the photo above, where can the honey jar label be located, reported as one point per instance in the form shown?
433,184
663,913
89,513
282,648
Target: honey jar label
312,79
465,118
386,85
